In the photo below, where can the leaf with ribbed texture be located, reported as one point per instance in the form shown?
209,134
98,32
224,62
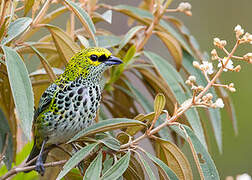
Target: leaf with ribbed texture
174,158
146,17
179,89
169,173
66,47
76,159
140,98
111,143
107,125
5,132
84,18
173,46
94,169
214,114
129,35
21,89
118,168
205,161
45,64
147,167
28,5
106,41
16,28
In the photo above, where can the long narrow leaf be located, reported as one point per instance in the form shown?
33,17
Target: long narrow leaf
84,18
16,28
21,89
94,169
76,159
107,125
118,168
163,166
175,82
206,163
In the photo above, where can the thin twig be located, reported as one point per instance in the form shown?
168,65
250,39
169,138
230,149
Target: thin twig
28,168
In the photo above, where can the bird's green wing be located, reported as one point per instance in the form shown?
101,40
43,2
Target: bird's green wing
45,99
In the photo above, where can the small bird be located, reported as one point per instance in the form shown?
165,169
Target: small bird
70,103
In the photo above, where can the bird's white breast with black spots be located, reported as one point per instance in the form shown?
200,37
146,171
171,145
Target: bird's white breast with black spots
76,104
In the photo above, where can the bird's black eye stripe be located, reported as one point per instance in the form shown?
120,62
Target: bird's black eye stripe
94,57
102,58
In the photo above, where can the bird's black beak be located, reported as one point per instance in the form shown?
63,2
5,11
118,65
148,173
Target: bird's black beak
112,60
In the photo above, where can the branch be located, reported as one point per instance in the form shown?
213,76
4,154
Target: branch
22,169
5,147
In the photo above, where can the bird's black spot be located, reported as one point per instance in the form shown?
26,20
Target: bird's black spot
60,96
71,94
80,91
67,104
67,98
44,95
80,98
60,102
85,102
78,103
71,112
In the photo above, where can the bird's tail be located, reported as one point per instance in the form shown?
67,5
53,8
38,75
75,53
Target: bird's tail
34,153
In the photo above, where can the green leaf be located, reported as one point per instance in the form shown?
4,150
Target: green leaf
16,28
173,46
94,169
146,17
4,130
174,158
118,168
28,5
214,114
159,104
66,47
111,143
206,163
107,16
107,125
163,166
147,167
21,89
140,98
84,18
76,159
128,36
46,65
106,41
175,82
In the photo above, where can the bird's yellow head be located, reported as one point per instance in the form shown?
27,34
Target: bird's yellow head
88,63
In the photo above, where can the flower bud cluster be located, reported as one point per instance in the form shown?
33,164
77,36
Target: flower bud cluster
185,7
205,66
248,57
219,43
218,103
214,55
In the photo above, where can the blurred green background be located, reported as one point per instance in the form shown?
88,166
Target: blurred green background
217,18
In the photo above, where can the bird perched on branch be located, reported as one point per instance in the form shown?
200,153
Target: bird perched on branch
70,103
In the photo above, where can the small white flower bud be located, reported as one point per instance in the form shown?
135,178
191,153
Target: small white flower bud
219,103
200,88
192,78
238,30
231,85
237,68
223,43
184,6
196,64
232,89
209,96
188,82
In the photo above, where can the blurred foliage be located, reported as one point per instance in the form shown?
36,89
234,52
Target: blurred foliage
141,90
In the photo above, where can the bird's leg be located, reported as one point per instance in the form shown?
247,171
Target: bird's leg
39,162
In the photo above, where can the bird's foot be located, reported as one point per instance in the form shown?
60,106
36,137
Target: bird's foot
39,167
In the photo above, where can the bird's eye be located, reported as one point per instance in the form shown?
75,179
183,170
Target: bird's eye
102,58
94,57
